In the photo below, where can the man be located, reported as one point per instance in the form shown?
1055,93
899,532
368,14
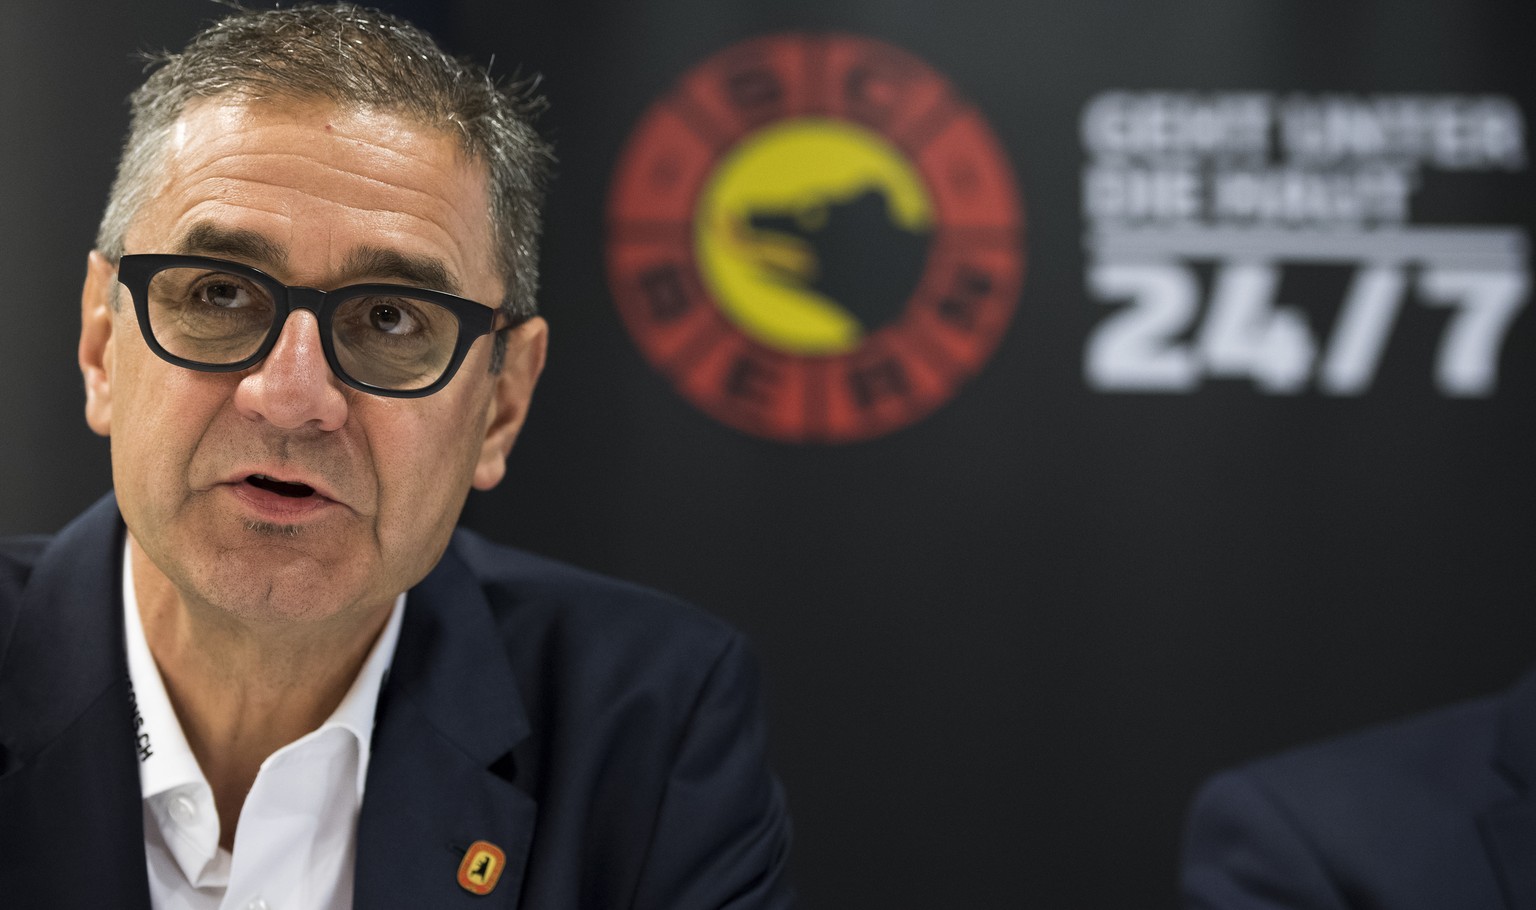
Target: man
268,672
1431,813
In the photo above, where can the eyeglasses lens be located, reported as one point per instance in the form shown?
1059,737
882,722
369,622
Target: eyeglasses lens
209,317
394,342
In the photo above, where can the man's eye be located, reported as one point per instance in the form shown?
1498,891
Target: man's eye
391,319
226,295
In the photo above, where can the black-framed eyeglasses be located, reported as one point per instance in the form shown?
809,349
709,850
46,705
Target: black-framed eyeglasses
208,314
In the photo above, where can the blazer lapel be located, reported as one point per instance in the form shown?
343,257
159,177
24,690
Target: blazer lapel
1510,828
69,784
439,778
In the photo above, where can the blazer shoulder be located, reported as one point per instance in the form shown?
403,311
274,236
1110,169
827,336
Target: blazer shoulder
526,590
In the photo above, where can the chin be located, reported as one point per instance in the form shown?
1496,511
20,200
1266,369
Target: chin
277,585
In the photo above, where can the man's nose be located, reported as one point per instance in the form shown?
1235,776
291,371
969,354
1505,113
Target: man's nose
294,386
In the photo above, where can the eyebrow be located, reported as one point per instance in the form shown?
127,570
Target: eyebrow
208,239
419,271
378,263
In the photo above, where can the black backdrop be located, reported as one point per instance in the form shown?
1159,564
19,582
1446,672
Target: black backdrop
1004,643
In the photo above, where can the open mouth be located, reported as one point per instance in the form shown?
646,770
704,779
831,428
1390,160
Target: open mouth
280,487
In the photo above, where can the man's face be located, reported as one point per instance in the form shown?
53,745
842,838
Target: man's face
321,197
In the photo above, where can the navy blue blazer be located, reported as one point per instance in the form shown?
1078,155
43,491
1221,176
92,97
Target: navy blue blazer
1434,813
608,739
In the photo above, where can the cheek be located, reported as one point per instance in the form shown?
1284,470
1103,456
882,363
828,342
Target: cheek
424,463
160,412
420,458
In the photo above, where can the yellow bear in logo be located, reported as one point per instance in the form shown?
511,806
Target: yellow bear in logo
812,233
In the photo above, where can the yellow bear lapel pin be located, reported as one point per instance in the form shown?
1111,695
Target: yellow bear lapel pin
481,868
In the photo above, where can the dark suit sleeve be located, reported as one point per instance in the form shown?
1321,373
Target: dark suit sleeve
1242,851
722,836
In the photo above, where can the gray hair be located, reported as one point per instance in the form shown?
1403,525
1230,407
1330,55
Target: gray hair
350,55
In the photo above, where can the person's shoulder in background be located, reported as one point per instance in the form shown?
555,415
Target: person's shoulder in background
1433,812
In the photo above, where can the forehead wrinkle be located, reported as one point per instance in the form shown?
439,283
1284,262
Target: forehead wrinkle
200,175
443,210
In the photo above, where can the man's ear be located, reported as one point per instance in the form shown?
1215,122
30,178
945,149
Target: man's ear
96,321
526,346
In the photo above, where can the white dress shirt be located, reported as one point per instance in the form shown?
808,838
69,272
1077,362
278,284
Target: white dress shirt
296,842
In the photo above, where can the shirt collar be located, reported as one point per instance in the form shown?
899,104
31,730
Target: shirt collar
166,760
358,706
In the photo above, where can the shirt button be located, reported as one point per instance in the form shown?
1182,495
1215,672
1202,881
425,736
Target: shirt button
183,809
258,904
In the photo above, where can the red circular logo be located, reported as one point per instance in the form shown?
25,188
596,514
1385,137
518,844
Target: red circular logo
815,238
